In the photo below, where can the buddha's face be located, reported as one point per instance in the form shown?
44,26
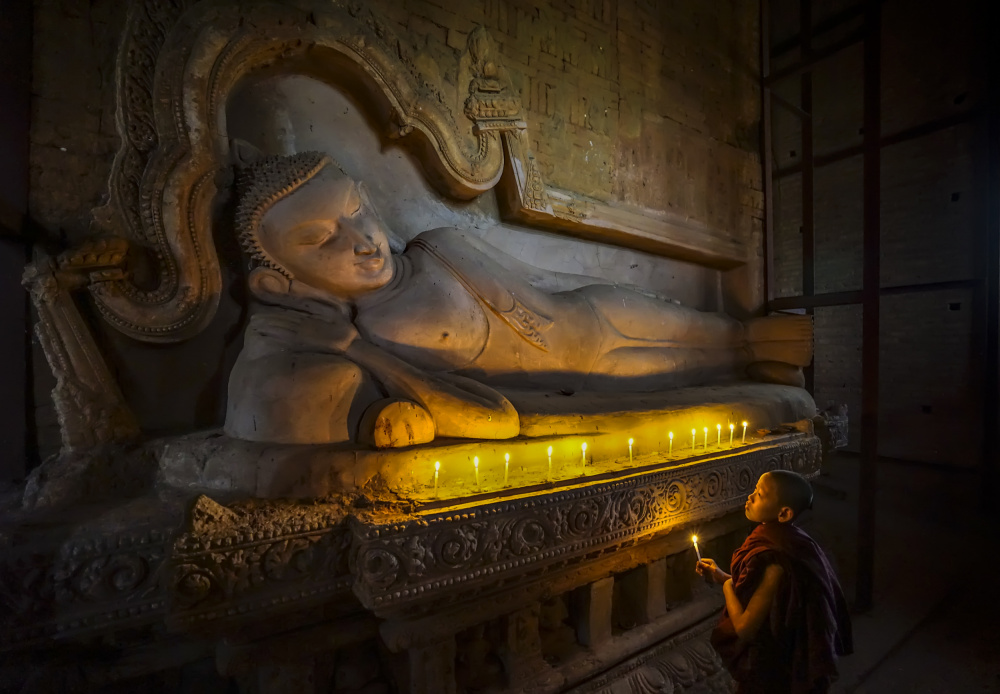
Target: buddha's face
327,235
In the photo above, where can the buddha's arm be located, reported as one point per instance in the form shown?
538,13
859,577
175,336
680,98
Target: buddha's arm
544,281
459,407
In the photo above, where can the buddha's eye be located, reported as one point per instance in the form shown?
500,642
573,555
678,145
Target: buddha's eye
317,234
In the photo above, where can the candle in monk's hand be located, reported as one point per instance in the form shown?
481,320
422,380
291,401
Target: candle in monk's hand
583,453
437,468
718,431
475,464
694,436
550,462
506,467
671,450
630,451
694,539
706,438
744,432
732,427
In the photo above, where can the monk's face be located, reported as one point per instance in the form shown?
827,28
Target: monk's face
763,504
327,235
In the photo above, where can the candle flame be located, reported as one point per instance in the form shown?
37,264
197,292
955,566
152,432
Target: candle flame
731,427
671,434
630,441
437,465
706,430
718,427
744,423
506,457
584,446
475,462
550,450
694,539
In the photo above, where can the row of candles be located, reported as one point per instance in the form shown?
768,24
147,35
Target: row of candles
583,453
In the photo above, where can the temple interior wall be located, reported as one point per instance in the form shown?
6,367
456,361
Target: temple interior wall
650,105
15,95
931,227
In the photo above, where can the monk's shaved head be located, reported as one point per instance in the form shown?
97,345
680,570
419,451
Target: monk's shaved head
794,490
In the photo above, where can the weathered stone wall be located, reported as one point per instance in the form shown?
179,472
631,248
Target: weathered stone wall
648,104
931,228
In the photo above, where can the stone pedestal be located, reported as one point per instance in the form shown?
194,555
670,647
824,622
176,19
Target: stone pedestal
592,612
432,668
521,651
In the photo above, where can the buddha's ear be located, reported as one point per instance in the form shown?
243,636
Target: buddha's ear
243,153
264,282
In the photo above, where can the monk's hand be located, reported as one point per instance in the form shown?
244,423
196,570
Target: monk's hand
710,570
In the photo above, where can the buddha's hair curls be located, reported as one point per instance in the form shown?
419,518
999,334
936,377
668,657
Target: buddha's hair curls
262,183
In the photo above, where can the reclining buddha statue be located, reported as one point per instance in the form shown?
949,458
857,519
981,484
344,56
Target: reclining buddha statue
350,341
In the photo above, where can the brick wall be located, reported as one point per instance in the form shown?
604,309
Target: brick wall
647,103
931,230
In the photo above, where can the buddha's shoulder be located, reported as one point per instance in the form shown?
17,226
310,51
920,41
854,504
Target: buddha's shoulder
447,237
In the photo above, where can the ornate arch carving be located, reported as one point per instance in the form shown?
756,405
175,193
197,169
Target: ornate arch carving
177,64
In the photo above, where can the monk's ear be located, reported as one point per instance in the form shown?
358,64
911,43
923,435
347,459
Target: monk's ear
786,515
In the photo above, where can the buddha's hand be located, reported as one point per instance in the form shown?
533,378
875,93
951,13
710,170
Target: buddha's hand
321,334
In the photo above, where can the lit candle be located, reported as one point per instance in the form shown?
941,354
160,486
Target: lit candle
694,539
744,432
671,451
732,427
694,435
718,431
506,467
706,439
475,464
630,451
550,462
437,468
583,453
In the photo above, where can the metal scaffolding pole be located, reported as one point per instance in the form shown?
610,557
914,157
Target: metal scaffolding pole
871,294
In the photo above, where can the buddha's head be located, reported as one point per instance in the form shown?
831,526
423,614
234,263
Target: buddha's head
301,217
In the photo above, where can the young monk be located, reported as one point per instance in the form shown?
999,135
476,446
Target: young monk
786,619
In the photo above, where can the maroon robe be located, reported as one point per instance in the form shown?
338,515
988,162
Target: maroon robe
796,649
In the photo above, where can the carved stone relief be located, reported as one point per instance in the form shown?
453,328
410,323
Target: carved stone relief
684,663
88,402
253,557
452,555
179,61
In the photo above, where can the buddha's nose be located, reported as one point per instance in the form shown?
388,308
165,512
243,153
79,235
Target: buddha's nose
364,244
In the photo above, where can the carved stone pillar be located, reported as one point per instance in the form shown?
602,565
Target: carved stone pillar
521,650
592,612
642,593
432,668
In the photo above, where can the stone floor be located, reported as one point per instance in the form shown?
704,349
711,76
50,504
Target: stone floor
933,629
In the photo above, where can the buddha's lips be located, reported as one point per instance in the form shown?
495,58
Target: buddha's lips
374,263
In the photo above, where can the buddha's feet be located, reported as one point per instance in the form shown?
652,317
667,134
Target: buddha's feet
777,372
787,339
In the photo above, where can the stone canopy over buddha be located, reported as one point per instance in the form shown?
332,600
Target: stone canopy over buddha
355,338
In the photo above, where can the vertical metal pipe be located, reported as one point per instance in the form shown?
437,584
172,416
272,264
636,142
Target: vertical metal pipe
808,197
766,150
868,482
991,372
